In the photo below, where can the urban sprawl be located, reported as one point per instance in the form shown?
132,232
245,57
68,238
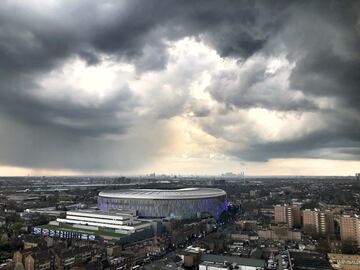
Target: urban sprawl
176,222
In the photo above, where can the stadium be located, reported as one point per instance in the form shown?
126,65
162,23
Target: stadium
183,203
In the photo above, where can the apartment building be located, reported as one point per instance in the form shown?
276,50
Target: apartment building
318,222
350,228
289,214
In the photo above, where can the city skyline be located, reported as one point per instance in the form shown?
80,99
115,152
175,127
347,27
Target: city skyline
171,87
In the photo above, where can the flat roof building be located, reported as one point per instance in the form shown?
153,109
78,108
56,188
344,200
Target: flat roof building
344,261
219,262
318,222
350,228
94,224
289,214
92,219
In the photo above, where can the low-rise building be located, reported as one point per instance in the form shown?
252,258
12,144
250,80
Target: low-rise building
266,211
191,256
219,262
31,241
42,260
64,259
344,261
94,224
20,255
309,260
247,225
280,233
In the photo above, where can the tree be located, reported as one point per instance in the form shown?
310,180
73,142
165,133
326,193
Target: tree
4,239
349,247
323,246
16,227
310,205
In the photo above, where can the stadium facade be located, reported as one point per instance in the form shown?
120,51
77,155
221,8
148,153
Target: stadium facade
183,203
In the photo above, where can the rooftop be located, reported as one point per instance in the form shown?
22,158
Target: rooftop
232,259
69,228
164,194
100,214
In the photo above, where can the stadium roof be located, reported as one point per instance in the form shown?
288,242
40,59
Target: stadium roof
164,194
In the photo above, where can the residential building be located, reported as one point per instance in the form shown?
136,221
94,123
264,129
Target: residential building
191,256
350,228
20,256
318,222
31,241
289,214
344,261
280,233
42,260
65,259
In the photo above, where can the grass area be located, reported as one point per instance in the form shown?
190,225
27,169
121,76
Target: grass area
69,228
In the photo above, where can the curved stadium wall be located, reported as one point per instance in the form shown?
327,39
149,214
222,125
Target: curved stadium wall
156,203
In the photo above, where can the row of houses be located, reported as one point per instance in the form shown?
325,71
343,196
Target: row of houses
58,258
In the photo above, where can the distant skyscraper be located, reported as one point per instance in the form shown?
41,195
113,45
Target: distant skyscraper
350,228
319,222
289,214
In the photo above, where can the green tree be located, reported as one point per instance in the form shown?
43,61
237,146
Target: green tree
16,227
323,246
4,239
349,247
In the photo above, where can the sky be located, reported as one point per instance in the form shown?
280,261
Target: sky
101,87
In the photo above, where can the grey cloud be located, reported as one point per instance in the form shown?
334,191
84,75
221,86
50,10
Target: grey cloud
124,29
340,139
43,147
315,145
251,86
325,74
321,38
69,113
325,44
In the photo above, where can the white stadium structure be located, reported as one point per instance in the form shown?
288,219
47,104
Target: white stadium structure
183,203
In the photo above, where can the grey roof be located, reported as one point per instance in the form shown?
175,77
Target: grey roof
233,259
164,194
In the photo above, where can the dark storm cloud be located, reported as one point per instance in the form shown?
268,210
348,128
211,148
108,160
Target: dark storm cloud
322,144
32,42
110,116
250,85
329,57
133,30
321,38
40,147
339,140
325,74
